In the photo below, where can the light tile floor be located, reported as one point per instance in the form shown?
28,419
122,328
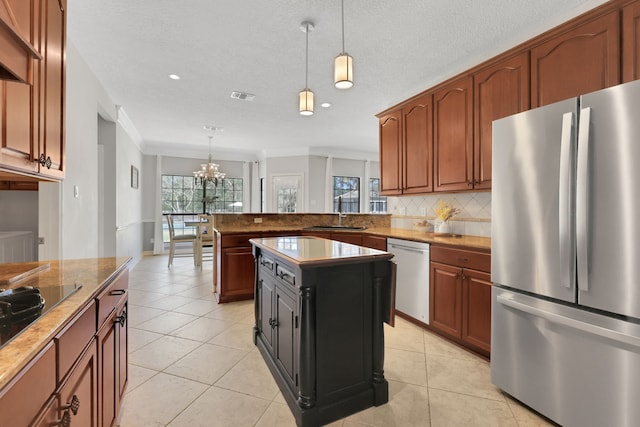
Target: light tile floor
192,363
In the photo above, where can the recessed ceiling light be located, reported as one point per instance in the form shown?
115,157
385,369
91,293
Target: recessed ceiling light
174,77
325,105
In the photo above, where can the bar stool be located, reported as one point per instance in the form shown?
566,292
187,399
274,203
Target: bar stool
180,238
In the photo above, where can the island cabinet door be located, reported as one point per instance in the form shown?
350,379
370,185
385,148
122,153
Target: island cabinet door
285,326
266,289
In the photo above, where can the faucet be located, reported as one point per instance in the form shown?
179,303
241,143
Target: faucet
340,214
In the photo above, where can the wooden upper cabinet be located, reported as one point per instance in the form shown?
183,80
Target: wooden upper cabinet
17,26
390,153
453,136
631,42
500,90
582,60
417,118
52,88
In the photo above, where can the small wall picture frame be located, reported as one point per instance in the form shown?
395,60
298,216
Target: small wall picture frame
134,177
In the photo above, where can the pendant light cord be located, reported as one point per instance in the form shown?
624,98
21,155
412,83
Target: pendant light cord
343,26
306,70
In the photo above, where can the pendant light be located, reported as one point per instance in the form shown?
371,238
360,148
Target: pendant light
306,95
343,66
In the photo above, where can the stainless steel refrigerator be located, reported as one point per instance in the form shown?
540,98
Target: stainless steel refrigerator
565,336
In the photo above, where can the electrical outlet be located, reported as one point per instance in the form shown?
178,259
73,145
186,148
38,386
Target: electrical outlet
423,211
41,240
257,220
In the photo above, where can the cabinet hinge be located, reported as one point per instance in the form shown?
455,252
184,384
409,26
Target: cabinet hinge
295,321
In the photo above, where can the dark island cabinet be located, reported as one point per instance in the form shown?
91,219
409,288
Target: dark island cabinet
319,325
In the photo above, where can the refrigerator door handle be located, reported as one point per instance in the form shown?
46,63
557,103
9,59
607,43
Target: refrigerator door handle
582,200
569,322
565,211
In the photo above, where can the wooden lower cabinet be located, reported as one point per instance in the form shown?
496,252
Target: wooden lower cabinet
112,374
460,297
79,378
374,242
79,394
235,268
347,237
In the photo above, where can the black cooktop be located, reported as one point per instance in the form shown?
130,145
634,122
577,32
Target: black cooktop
23,305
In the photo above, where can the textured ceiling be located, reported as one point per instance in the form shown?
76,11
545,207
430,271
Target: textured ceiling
400,48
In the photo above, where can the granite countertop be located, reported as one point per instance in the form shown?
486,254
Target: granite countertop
470,242
90,273
311,251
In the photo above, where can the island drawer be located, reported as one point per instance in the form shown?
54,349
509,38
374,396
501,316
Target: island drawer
461,258
286,274
267,263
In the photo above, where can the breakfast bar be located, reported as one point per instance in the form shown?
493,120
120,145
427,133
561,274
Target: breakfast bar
320,307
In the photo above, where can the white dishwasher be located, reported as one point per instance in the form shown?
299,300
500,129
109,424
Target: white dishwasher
412,277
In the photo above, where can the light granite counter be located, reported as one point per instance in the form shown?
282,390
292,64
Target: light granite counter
92,274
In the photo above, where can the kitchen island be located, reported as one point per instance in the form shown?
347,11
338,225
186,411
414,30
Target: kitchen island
319,309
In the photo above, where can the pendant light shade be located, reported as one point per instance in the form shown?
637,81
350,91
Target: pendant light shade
306,102
343,71
343,66
306,95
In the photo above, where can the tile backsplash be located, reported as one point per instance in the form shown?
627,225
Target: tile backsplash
474,220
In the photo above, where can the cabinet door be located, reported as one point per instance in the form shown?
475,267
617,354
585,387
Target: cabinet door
266,289
107,371
476,309
499,90
445,311
19,142
579,61
285,307
453,136
49,415
390,154
631,42
122,351
237,273
417,120
52,87
81,389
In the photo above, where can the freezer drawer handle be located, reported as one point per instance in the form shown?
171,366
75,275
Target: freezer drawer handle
571,323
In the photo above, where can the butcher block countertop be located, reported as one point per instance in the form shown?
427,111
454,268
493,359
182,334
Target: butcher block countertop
90,275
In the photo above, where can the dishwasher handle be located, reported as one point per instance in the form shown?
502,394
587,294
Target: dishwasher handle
409,249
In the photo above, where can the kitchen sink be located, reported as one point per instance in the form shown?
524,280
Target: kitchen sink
333,227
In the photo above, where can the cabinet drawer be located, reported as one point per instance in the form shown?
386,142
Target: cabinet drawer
112,296
286,274
74,338
234,240
267,264
23,398
461,258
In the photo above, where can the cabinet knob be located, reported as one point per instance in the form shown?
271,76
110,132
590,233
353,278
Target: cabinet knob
45,161
122,319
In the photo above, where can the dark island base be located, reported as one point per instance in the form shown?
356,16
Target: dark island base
377,395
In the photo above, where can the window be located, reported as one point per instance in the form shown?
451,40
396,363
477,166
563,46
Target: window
346,188
377,203
181,195
183,199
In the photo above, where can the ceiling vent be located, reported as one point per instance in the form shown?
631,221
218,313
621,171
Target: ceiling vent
243,96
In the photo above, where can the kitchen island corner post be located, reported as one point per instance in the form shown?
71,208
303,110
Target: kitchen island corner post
306,395
380,384
257,290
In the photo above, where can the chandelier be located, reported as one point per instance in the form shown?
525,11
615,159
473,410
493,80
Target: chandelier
209,171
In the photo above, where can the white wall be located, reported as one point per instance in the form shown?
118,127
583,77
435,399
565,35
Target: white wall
19,212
